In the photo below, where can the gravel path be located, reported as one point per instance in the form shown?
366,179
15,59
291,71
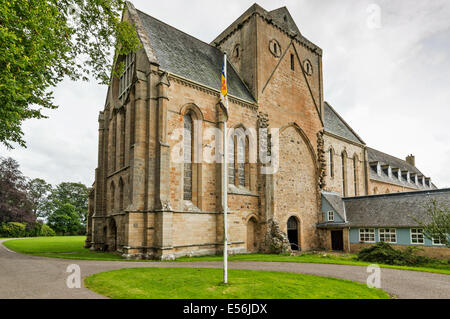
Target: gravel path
25,276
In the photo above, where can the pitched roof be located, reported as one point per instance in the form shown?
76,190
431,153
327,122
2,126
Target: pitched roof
181,54
393,210
386,159
335,124
335,201
284,20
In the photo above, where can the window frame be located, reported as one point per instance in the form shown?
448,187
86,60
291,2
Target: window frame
330,214
388,233
411,233
368,231
433,238
126,77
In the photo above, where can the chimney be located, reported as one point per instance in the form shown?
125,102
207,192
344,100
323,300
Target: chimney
411,159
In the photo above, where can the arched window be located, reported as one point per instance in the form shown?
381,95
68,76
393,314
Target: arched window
331,162
344,172
113,196
241,160
238,158
188,137
114,143
121,194
231,172
122,139
355,174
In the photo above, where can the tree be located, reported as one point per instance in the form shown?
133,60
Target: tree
75,194
15,205
436,222
43,41
38,191
65,220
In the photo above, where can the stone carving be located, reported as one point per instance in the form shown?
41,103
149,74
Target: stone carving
277,241
263,120
321,159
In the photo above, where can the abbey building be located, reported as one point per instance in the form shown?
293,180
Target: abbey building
157,191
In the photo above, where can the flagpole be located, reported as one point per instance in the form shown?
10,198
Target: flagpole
225,184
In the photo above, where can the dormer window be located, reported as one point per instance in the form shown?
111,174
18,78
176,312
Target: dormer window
387,170
405,176
126,77
428,181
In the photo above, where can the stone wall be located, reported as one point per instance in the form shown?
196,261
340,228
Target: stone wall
435,252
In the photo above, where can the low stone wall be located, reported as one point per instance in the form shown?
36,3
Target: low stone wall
440,252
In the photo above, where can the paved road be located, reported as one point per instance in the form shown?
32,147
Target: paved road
24,276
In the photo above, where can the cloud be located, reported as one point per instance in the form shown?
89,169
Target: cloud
390,83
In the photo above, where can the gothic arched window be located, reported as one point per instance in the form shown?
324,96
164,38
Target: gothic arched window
188,138
121,186
126,77
331,162
231,173
113,196
355,174
344,177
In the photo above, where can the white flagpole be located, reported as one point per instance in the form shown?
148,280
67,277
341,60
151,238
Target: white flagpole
225,185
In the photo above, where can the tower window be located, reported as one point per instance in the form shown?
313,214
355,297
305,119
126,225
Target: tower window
292,63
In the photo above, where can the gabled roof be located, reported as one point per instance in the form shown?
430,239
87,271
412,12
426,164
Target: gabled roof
335,201
393,210
284,20
183,55
335,124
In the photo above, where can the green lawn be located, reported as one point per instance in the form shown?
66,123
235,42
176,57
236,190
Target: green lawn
68,247
187,283
72,248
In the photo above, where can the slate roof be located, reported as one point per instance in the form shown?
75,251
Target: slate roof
336,202
335,124
181,54
392,210
386,159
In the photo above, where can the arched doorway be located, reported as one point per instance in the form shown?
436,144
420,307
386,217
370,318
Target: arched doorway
292,232
251,235
112,242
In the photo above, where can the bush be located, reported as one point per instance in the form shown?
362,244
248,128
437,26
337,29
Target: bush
13,230
384,253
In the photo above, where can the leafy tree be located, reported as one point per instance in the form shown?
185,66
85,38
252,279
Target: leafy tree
75,194
436,222
38,191
15,205
43,41
65,220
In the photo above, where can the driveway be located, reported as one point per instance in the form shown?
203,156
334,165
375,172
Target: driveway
25,276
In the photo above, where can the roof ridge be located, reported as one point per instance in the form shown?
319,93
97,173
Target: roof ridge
345,123
405,194
189,35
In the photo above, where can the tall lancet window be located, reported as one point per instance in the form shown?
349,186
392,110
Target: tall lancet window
231,174
344,177
241,159
355,174
188,137
330,163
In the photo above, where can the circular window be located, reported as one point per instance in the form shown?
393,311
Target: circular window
275,48
307,66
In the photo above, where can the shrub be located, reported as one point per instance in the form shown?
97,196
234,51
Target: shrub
384,253
40,230
46,231
13,230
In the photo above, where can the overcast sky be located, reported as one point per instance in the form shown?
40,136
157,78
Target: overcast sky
386,70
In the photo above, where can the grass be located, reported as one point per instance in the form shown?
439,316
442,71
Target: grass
188,283
68,247
72,248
